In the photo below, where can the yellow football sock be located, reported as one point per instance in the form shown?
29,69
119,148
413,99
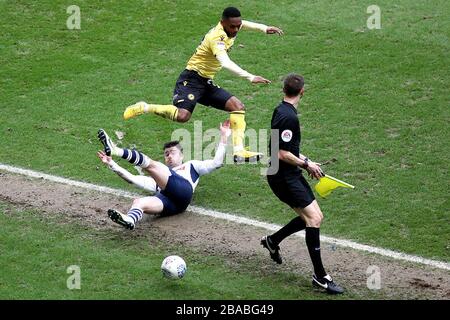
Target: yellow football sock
237,124
165,111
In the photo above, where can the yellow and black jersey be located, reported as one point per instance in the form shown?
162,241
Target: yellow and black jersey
204,60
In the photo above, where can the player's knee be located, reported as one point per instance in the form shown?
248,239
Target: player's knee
183,118
234,104
152,165
138,203
239,106
183,115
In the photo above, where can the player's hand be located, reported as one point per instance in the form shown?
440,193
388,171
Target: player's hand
258,79
225,130
314,170
103,157
274,30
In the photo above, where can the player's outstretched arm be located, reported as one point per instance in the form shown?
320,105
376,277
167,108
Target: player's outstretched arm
248,25
226,63
207,166
142,182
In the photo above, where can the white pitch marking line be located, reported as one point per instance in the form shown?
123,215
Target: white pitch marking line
229,217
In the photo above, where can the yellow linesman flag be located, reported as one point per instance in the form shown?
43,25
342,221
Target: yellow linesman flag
328,183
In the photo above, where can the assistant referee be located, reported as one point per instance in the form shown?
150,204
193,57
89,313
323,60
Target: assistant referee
289,185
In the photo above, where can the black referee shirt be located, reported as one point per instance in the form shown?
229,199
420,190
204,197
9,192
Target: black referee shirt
285,120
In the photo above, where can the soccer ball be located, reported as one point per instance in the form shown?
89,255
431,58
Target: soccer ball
173,267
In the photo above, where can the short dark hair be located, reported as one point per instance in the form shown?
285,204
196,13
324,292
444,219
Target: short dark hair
230,12
171,144
293,84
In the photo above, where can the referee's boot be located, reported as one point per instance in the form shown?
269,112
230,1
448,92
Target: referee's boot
273,250
328,284
120,218
134,110
246,156
108,145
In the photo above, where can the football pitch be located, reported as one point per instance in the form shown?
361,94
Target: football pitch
376,109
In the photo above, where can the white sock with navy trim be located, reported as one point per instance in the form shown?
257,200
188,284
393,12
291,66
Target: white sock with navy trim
135,214
136,158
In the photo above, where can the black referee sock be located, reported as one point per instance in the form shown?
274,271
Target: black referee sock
295,225
313,244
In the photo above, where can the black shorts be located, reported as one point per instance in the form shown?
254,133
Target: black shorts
292,189
192,88
176,196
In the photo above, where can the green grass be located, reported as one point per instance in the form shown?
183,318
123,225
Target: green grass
377,101
37,250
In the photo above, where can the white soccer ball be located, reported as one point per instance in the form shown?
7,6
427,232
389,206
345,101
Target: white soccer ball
173,267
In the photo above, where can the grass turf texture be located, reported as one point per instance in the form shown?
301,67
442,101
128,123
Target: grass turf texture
49,244
377,101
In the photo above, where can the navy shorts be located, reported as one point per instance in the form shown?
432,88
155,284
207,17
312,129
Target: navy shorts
292,189
191,88
176,196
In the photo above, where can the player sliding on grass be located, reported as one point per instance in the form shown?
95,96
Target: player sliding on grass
195,83
172,183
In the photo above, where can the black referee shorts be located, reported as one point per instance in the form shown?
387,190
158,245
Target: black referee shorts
292,189
192,88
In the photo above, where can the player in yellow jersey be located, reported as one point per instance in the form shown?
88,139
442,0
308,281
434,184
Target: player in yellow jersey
195,83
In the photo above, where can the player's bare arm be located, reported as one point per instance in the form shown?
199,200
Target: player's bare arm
226,63
248,25
143,182
108,161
